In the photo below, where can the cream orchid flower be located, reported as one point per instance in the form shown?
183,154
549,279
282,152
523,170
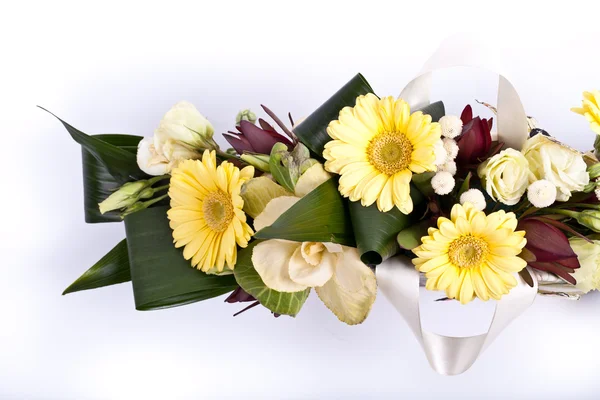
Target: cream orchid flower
342,281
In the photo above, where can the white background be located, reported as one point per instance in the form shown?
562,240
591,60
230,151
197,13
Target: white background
117,68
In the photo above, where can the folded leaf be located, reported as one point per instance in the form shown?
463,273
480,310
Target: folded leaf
320,216
376,231
111,269
120,163
98,183
436,110
160,275
250,281
313,130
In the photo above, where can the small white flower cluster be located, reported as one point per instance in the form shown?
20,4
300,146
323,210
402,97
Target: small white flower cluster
542,193
475,197
446,151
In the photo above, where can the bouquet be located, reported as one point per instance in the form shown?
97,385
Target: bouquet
363,184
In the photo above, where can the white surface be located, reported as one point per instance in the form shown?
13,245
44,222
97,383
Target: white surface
118,68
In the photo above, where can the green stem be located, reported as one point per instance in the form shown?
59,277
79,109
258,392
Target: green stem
158,189
579,205
568,213
227,156
155,200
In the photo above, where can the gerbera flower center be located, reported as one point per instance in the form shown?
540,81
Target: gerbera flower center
468,251
390,152
218,210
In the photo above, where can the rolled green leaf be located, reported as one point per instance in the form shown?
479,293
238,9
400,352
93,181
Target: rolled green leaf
250,281
98,183
160,275
436,110
320,216
376,231
313,130
111,269
121,163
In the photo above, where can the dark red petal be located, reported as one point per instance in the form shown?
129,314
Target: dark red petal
261,140
571,263
547,242
265,125
467,114
239,143
555,269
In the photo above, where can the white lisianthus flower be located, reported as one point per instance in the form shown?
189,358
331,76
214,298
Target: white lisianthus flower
597,193
184,124
557,163
588,274
505,176
451,126
182,134
451,148
448,166
541,193
475,197
440,152
442,182
342,281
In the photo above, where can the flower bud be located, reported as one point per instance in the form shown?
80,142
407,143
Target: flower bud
594,170
126,196
589,219
245,115
258,161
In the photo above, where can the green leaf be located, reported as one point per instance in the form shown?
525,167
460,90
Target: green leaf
320,216
376,231
120,162
111,269
410,237
313,130
436,110
250,281
98,183
160,275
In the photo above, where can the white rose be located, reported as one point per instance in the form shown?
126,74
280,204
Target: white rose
182,134
557,163
505,176
588,274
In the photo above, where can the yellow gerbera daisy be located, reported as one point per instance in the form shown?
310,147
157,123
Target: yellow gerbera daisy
590,109
206,211
377,147
472,254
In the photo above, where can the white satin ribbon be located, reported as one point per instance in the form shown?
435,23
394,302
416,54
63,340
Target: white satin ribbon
398,280
511,117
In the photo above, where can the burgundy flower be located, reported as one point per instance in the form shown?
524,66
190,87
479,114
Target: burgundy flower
548,249
254,139
475,142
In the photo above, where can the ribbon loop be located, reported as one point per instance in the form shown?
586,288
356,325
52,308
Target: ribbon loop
511,116
398,280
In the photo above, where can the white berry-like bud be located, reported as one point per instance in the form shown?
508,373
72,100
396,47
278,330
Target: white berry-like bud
475,197
449,166
440,152
451,148
541,193
451,126
442,182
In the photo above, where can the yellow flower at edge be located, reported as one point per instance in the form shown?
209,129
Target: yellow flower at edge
206,212
590,109
472,254
377,145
